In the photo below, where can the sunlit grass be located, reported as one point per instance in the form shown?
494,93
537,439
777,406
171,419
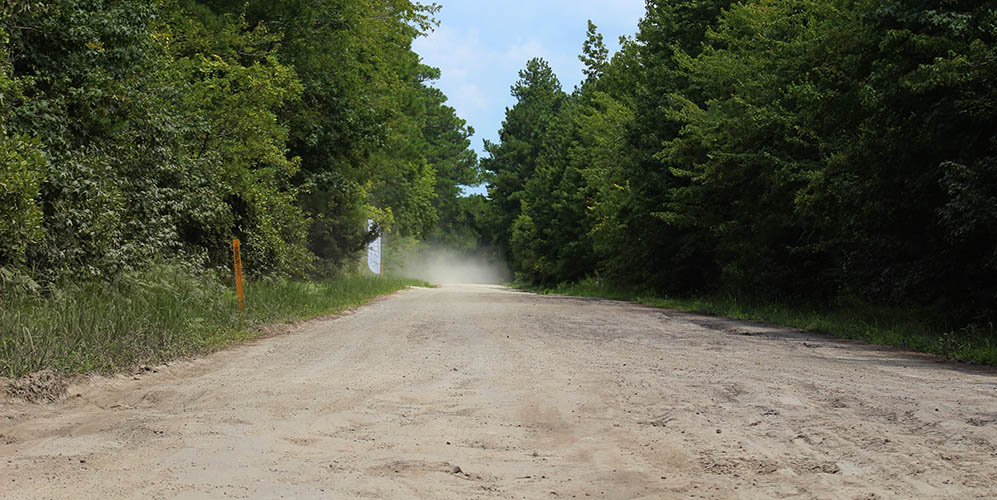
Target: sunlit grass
163,314
914,329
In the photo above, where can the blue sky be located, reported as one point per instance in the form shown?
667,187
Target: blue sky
481,45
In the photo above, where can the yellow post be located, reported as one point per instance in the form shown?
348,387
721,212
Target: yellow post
237,258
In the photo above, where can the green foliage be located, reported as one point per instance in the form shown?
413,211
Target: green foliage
22,169
748,151
160,314
21,172
235,86
595,55
919,110
360,125
555,197
468,224
603,159
795,151
448,140
134,131
154,148
513,161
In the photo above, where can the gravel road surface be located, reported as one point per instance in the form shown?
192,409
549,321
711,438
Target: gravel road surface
465,392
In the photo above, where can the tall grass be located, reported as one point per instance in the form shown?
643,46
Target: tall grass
158,315
915,329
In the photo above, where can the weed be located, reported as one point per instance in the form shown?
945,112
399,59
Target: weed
163,313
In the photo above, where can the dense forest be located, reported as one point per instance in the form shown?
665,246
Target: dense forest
138,131
803,150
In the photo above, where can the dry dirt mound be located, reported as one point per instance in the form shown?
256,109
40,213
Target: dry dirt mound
41,387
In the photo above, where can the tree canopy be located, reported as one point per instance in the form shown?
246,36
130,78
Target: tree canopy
797,150
136,130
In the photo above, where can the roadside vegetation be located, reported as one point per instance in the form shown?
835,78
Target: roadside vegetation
164,313
802,152
137,132
915,329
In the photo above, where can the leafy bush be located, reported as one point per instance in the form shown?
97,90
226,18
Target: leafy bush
134,131
21,172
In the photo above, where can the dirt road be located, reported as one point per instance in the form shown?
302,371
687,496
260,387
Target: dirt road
468,392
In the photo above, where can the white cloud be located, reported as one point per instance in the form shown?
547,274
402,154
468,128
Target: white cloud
449,47
482,44
469,97
524,51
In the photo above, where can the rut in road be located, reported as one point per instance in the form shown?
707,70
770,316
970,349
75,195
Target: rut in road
467,392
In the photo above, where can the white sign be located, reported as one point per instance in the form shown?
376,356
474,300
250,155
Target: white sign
374,252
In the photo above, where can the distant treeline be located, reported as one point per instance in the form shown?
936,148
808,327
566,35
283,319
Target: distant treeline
141,130
809,150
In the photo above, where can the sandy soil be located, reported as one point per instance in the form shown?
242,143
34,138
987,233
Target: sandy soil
481,392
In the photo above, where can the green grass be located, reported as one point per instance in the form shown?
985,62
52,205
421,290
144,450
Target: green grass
913,329
163,314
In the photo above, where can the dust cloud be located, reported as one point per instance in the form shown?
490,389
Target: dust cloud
447,266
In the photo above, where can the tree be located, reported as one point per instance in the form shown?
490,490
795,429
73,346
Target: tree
513,160
595,55
136,130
